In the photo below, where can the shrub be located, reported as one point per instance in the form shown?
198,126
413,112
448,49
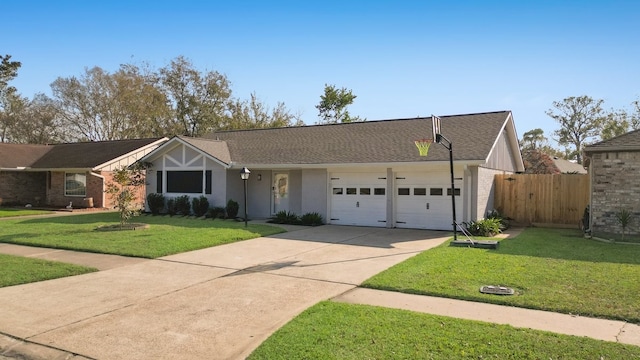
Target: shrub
504,222
172,209
285,217
311,219
484,227
155,202
200,205
232,209
183,205
623,217
216,212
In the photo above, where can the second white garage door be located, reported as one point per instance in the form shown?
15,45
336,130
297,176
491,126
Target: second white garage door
358,199
423,200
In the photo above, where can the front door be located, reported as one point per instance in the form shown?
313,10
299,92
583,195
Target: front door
280,191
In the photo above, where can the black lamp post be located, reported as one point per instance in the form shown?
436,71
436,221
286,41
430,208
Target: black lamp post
244,175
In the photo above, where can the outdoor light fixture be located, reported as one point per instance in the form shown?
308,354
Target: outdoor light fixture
244,175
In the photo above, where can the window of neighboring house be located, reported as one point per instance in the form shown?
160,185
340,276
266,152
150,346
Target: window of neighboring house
189,182
75,184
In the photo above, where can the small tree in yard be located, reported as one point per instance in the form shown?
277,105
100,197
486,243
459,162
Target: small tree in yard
624,218
126,183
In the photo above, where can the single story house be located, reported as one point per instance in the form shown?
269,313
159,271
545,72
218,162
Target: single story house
614,168
363,173
63,174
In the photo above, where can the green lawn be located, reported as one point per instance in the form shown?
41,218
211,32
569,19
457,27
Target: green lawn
20,270
10,212
550,269
166,235
331,330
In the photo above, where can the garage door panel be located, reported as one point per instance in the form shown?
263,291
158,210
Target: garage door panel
358,199
422,200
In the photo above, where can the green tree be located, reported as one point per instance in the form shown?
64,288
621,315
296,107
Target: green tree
127,182
254,114
8,72
200,101
635,115
615,124
332,108
581,119
533,139
11,103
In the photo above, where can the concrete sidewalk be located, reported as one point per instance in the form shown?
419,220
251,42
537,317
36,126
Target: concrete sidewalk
607,330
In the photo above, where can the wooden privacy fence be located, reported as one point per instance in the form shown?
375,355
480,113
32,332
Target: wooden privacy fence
542,198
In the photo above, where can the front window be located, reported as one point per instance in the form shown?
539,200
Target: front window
188,182
75,184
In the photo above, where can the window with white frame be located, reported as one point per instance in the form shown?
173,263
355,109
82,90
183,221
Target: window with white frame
75,184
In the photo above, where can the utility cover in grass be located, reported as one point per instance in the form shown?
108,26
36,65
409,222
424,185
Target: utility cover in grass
496,290
119,227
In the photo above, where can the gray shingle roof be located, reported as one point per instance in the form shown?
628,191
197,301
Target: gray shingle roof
86,155
472,135
21,155
216,148
625,142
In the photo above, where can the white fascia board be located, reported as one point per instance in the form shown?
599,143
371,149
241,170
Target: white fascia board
351,165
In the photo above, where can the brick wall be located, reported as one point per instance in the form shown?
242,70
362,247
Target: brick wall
20,187
616,186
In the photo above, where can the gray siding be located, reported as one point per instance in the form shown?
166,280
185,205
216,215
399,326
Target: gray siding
314,192
295,191
502,157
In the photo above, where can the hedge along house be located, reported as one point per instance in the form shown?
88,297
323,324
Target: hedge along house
365,173
614,168
57,175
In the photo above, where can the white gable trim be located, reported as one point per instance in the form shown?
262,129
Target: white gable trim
163,149
512,137
144,150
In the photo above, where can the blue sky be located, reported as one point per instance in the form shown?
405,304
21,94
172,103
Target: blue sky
401,58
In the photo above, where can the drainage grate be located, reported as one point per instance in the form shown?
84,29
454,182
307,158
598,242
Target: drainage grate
496,290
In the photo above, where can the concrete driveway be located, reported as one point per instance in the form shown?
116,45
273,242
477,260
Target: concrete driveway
215,303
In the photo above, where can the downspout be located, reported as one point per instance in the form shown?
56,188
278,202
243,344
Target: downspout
103,183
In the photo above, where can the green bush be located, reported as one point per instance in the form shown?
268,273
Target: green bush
216,212
155,202
183,205
484,227
311,219
171,207
232,209
285,217
504,222
200,205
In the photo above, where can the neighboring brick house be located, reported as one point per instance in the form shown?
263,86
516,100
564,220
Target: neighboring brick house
614,167
57,175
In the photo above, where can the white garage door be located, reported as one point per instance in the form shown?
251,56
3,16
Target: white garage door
359,199
423,200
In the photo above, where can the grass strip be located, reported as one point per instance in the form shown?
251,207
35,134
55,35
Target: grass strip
331,330
165,236
20,270
550,269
